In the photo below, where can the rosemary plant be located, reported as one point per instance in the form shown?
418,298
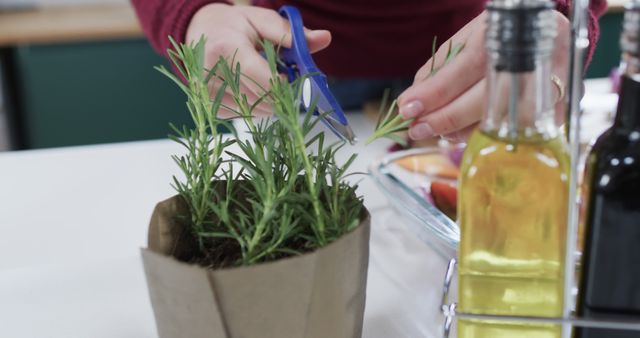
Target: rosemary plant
278,192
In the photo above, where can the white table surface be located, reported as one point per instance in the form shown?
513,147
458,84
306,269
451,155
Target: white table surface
72,221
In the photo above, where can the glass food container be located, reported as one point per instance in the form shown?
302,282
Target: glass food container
405,177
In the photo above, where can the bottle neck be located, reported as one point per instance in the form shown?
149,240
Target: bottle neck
519,104
628,113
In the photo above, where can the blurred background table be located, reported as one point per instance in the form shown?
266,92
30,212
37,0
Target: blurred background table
81,74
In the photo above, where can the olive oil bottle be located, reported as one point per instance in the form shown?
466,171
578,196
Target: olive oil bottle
514,183
610,284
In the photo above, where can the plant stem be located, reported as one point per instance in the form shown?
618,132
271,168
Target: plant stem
308,168
260,227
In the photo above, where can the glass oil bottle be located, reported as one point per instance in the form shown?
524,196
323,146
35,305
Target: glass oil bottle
610,283
514,183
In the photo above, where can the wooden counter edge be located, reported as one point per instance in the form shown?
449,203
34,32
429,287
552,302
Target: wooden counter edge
616,6
68,24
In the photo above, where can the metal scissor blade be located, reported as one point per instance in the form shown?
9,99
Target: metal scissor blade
314,88
343,131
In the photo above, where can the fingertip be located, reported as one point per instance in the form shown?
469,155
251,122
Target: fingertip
318,39
324,33
401,99
420,131
411,109
407,96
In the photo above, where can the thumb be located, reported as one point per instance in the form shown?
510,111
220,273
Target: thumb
317,39
269,25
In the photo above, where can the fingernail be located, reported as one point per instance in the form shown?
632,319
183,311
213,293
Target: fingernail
317,32
411,109
420,131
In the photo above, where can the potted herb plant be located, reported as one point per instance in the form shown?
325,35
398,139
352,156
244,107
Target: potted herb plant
265,237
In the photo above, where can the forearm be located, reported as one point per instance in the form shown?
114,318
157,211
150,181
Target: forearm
163,18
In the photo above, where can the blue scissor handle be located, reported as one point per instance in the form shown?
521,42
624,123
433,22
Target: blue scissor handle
299,63
298,55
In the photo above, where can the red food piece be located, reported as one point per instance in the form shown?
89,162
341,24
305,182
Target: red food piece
446,198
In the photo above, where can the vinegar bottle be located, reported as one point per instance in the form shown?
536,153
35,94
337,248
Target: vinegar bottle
610,284
514,183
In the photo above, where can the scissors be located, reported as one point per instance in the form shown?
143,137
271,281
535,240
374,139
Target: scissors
297,62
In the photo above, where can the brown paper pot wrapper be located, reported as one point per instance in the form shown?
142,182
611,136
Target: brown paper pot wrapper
316,295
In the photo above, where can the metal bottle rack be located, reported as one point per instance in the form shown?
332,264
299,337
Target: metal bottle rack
579,46
450,312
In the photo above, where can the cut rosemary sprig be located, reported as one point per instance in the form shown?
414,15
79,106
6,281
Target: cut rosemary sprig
452,52
390,122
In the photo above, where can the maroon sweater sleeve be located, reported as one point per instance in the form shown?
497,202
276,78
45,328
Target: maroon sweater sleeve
596,9
163,18
393,44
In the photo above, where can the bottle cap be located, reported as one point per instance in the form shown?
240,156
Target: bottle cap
519,32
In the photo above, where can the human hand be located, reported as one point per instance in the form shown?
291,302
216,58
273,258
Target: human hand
238,30
451,102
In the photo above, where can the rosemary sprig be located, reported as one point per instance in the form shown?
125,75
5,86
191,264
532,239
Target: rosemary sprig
204,144
390,123
452,52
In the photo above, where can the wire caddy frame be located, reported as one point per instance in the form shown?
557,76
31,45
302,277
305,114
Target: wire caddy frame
579,46
450,312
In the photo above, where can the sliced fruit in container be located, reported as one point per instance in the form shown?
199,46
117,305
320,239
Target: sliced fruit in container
445,198
434,164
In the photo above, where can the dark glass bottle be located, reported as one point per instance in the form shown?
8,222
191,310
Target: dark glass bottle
610,284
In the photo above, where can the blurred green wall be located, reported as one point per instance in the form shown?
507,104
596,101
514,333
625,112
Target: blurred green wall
95,92
607,53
